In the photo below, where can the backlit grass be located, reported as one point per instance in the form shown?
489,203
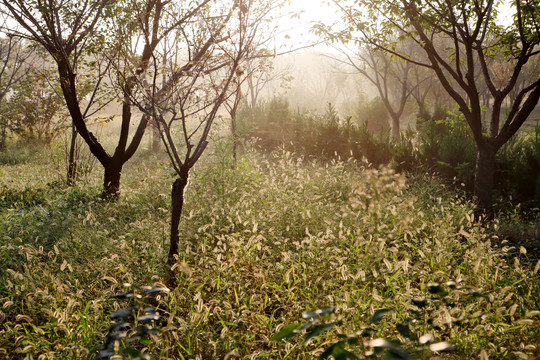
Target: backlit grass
263,240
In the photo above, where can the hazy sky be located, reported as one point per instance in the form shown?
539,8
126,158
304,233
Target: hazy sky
298,28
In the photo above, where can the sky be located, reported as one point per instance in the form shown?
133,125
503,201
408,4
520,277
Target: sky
297,29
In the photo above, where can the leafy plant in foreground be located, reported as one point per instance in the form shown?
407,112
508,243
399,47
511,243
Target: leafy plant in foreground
133,323
422,318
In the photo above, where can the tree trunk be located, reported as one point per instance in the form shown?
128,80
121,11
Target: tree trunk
484,178
111,181
234,135
395,128
72,166
156,137
3,137
177,203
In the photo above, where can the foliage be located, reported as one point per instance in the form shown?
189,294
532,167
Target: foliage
34,111
457,151
133,323
375,115
325,136
522,167
262,240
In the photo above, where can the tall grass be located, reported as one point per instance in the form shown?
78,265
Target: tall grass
263,239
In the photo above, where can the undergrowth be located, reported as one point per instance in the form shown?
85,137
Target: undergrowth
263,239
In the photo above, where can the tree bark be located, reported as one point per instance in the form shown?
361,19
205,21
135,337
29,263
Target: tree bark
396,133
72,166
111,180
484,178
177,203
156,138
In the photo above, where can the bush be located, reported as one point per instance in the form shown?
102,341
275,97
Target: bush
405,154
374,115
457,151
324,136
33,112
520,163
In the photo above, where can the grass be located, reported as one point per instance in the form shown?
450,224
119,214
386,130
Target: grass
262,240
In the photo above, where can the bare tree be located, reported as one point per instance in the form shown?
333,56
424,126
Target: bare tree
200,75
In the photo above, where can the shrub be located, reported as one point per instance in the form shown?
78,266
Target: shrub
405,154
520,163
374,147
374,115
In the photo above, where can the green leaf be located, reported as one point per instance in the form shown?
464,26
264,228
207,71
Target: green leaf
333,349
404,330
309,314
317,330
123,295
395,351
379,314
434,288
287,332
338,351
134,353
122,313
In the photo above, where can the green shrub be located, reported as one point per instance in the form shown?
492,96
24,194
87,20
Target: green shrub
521,166
376,148
405,154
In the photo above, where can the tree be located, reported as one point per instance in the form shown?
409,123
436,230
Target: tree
458,38
391,76
187,102
34,108
15,56
126,32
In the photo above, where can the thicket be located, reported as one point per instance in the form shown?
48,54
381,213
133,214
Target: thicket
442,144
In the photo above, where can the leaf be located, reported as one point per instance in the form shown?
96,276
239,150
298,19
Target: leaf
287,332
117,336
404,330
317,330
122,313
134,353
367,331
379,314
104,353
149,317
442,347
434,288
147,330
333,349
153,290
395,351
122,295
338,351
426,339
325,310
309,314
117,326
